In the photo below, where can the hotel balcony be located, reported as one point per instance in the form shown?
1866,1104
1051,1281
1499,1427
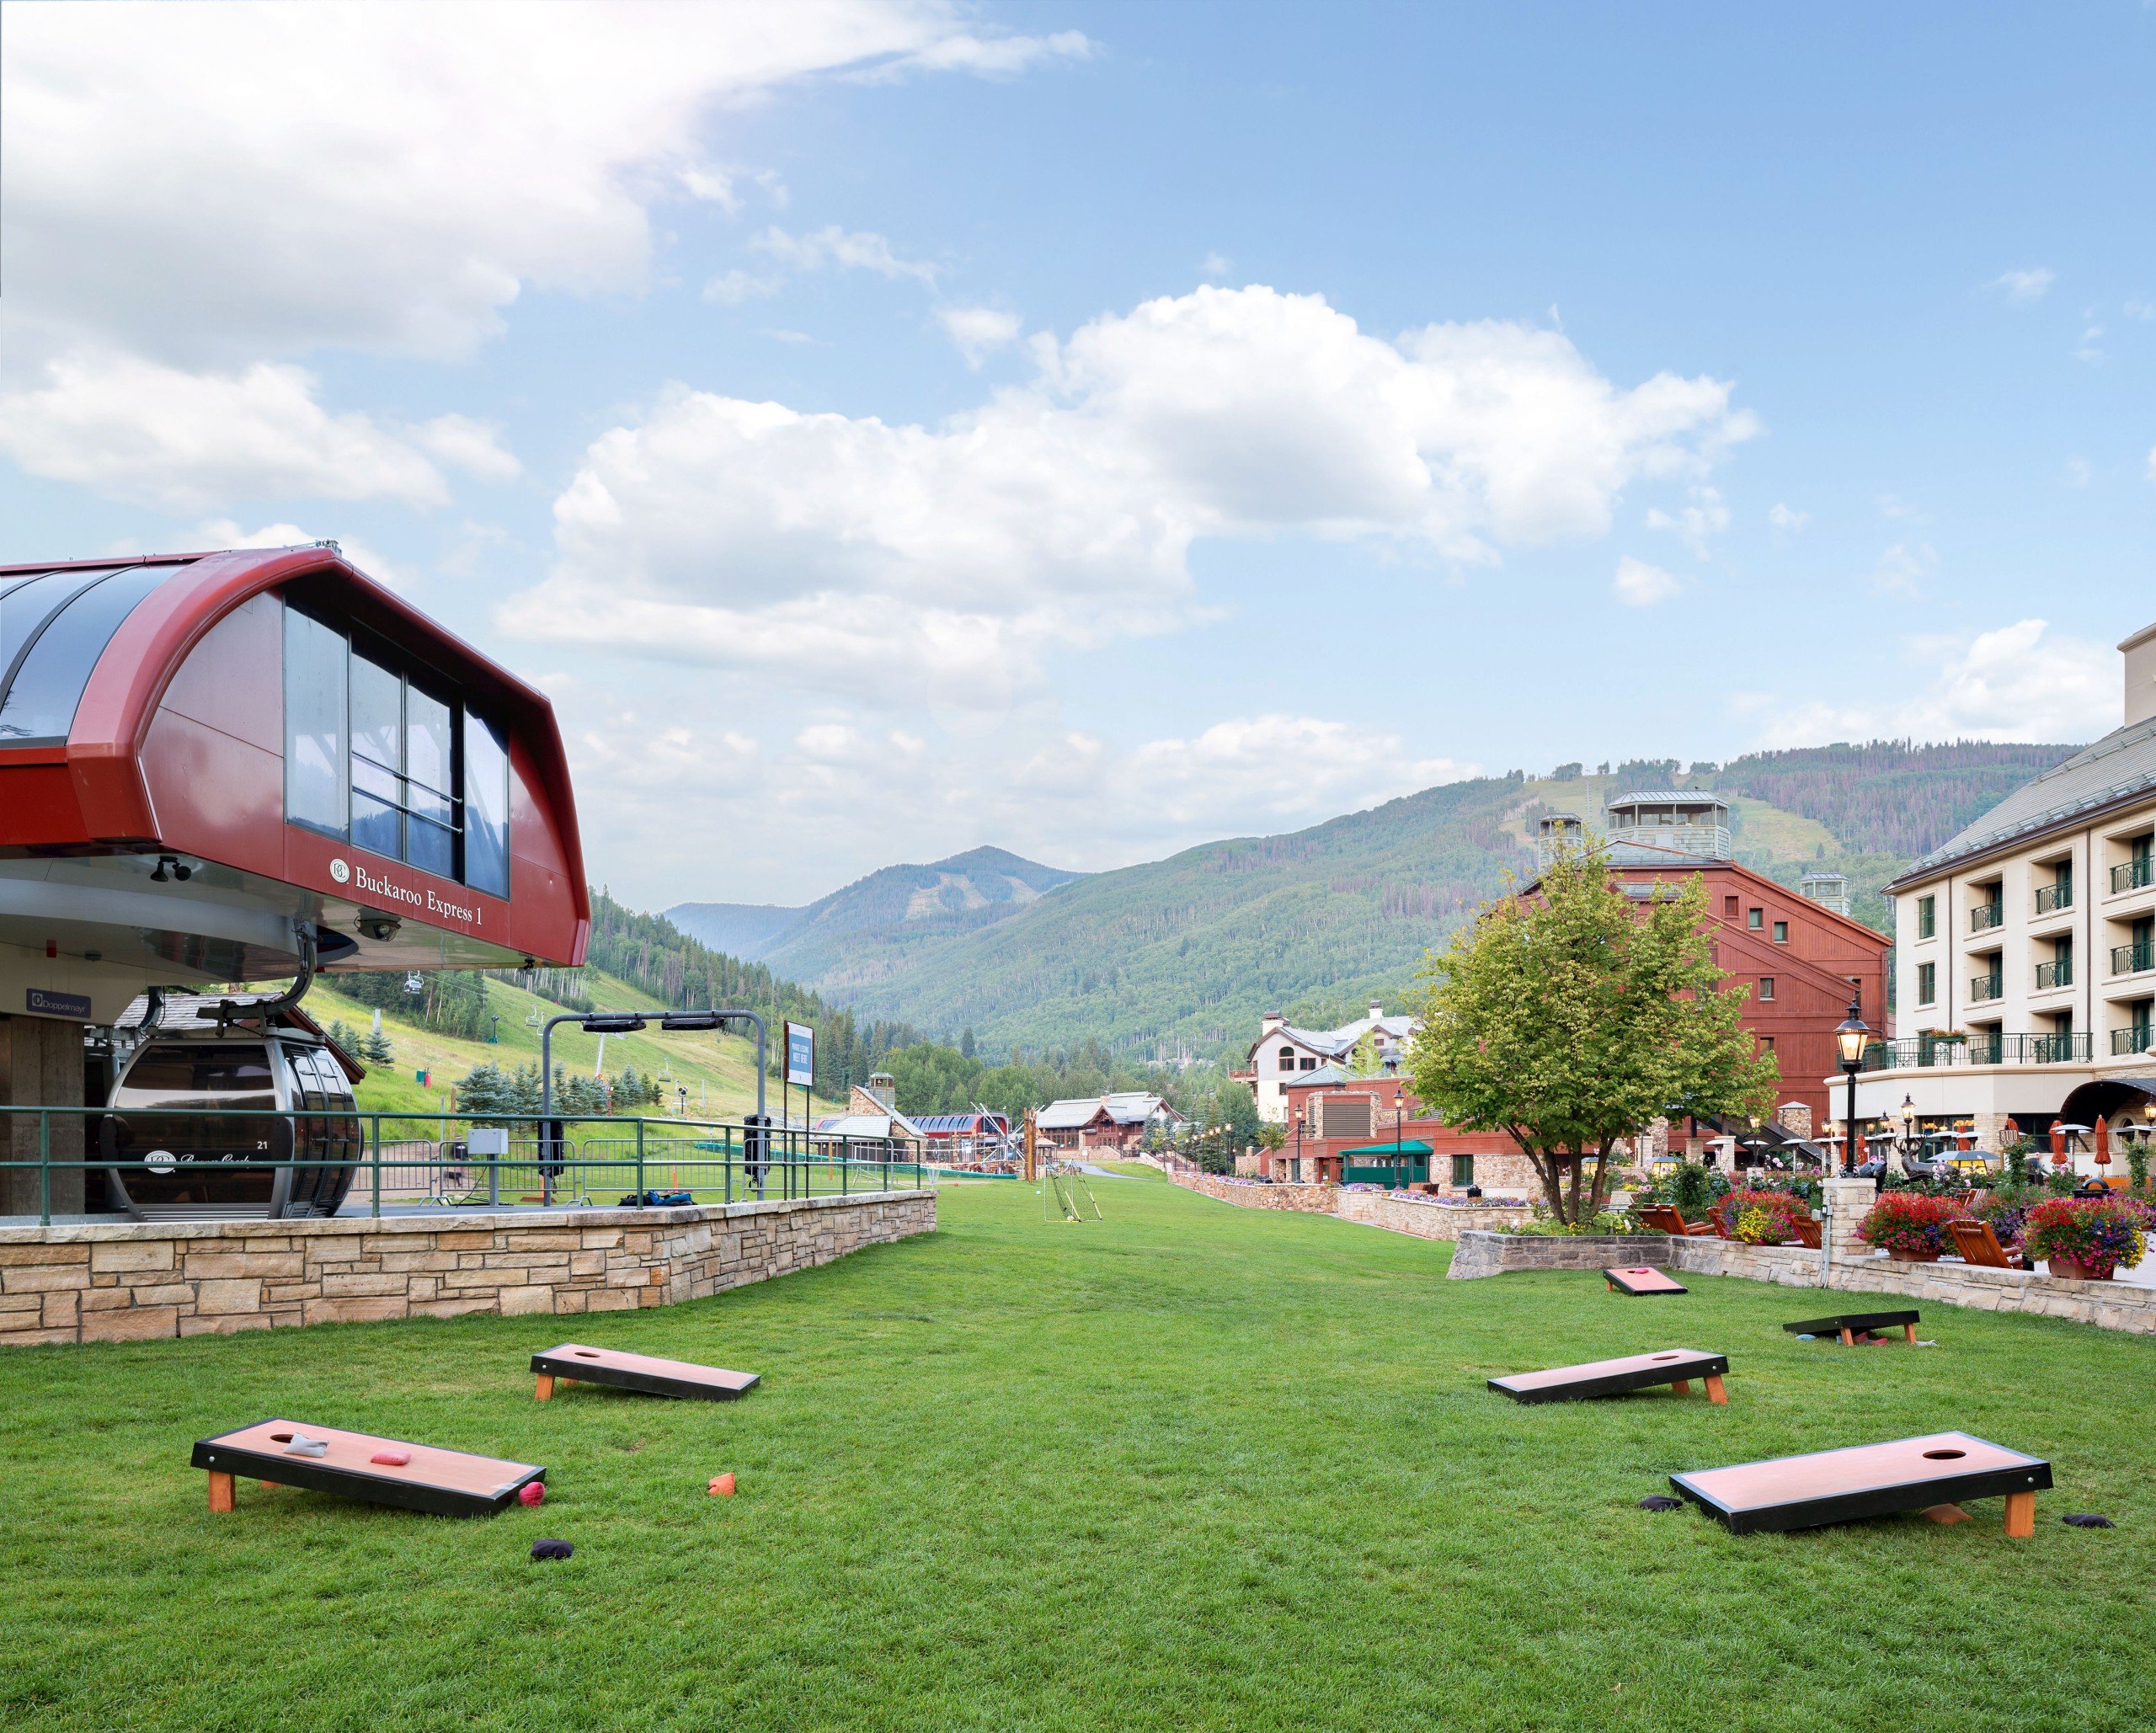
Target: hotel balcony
2132,959
2131,1040
2132,875
1925,1053
1985,988
1985,915
2055,974
2052,898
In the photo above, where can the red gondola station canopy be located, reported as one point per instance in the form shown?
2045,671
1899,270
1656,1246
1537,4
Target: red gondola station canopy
213,765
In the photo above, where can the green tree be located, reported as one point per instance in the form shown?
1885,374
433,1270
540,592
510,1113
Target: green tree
1573,1017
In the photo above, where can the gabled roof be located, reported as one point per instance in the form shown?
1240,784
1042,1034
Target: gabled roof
1069,1115
1325,1077
948,1125
2119,767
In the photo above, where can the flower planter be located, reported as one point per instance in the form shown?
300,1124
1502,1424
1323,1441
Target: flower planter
2073,1269
1914,1257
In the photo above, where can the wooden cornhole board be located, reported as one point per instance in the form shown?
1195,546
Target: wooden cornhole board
447,1483
1940,1469
1676,1367
1849,1326
574,1363
1640,1281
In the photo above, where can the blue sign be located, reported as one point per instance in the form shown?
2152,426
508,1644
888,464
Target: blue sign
43,1004
800,1054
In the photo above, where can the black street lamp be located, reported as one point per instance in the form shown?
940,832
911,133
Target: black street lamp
1852,1035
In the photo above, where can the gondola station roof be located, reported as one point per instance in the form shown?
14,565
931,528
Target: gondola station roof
209,760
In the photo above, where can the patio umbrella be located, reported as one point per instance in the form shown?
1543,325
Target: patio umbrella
2103,1143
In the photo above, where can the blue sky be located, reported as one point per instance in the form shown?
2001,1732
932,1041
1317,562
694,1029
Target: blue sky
886,428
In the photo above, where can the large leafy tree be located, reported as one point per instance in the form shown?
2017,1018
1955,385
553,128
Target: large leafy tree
1571,1016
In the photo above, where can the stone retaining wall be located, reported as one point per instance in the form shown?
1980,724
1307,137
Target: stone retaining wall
131,1282
2110,1305
1425,1219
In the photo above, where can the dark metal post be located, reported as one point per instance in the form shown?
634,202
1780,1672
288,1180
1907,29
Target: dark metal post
44,1167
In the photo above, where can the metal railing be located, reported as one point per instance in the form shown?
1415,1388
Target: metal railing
2058,972
567,1162
2134,1039
2052,898
1986,915
1984,987
2132,959
2131,875
1928,1053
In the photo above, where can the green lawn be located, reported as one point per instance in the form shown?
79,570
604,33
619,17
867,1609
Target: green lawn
1191,1466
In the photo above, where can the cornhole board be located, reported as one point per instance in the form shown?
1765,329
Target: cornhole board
574,1363
1870,1480
1640,1281
1849,1326
1677,1367
447,1483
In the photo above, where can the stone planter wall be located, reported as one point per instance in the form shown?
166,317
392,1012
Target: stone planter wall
1492,1254
1313,1200
1424,1218
132,1281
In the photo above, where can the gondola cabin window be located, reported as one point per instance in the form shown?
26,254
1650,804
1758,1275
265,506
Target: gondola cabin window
376,756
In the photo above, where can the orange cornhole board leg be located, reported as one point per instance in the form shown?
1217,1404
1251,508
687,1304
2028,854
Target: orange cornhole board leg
546,1390
2020,1515
222,1498
1909,1334
1716,1392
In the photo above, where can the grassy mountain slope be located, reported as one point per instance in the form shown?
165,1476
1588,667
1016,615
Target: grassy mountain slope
899,904
1182,955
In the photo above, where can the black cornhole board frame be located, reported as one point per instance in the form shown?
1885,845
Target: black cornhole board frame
1689,1364
313,1475
1856,1324
2029,1475
563,1362
1615,1278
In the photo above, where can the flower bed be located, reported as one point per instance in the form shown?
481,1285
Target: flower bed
2091,1237
1762,1217
1908,1225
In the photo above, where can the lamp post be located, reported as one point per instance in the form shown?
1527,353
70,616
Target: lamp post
1908,1129
1852,1035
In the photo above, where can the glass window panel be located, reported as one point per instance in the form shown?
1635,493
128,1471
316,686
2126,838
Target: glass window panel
375,826
428,804
377,714
372,779
431,848
25,607
486,808
314,723
39,702
426,740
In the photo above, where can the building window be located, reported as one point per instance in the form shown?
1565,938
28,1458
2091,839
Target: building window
1766,986
1755,919
1781,932
374,758
1927,981
1308,1063
1767,1044
1287,1058
1463,1170
1927,917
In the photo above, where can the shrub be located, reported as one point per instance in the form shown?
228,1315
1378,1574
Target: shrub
1762,1217
2101,1232
2006,1209
1908,1224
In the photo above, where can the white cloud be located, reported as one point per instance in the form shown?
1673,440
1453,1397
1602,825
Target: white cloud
1216,265
470,445
2022,682
978,332
1788,517
1062,511
1902,569
2023,286
225,532
136,430
215,185
2090,346
1695,523
2141,309
1640,586
2077,472
828,248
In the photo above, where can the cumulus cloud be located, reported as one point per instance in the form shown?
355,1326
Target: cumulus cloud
978,332
213,184
1063,509
1903,568
1695,523
2020,682
136,430
1788,517
470,445
1638,584
2022,287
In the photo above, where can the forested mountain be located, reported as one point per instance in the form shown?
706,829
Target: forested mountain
1180,956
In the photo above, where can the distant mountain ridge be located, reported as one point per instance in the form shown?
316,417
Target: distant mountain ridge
1182,956
976,888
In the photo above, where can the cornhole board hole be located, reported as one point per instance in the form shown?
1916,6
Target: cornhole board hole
1870,1480
1676,1367
447,1483
1640,1281
574,1363
1849,1326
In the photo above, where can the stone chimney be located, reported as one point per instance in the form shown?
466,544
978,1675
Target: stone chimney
1268,1023
1377,1010
884,1089
2140,654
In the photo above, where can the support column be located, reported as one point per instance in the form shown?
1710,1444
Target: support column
1847,1201
41,1065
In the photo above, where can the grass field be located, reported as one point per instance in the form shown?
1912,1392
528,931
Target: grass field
1190,1466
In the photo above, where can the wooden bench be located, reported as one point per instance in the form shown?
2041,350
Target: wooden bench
1640,1281
1978,1244
573,1362
1848,1325
1931,1474
445,1483
1674,1366
1667,1219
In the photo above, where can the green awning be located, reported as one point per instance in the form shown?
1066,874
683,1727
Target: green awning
1378,1153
